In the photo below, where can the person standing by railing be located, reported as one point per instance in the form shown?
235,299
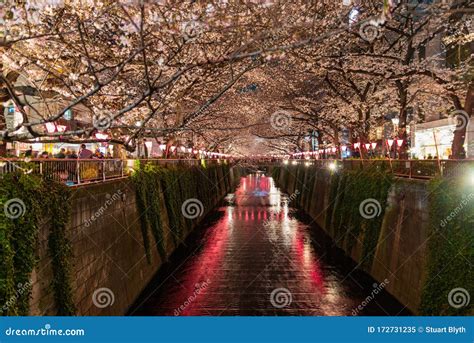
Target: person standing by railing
85,153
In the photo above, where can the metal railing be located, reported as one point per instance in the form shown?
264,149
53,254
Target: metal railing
414,169
79,171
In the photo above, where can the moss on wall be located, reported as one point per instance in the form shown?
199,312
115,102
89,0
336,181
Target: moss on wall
451,249
177,185
27,200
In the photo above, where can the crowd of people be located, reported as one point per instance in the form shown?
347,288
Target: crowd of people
83,153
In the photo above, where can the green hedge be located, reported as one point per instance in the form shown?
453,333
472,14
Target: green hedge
451,246
26,201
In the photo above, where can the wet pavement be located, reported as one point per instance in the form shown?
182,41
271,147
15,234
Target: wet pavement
256,255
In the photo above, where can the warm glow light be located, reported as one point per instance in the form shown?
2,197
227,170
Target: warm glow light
50,127
374,145
162,146
356,145
332,166
399,142
294,162
61,128
172,148
395,121
307,164
101,136
367,146
286,162
149,145
343,148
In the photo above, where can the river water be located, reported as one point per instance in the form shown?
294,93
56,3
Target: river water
256,255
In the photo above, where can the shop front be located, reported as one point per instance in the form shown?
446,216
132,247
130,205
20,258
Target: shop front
434,139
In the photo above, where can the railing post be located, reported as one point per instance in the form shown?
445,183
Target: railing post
78,172
121,168
103,170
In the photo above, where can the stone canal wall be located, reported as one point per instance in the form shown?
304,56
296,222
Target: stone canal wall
110,263
392,241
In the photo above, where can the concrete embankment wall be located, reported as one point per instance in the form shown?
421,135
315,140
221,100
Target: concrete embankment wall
401,247
108,250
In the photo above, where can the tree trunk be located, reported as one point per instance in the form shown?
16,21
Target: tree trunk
460,134
402,124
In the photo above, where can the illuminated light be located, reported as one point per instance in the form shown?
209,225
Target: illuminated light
50,127
102,136
37,146
399,142
390,142
162,146
286,162
332,166
344,148
190,150
183,149
149,145
172,148
307,164
374,145
61,128
195,152
294,162
395,121
357,145
138,124
367,146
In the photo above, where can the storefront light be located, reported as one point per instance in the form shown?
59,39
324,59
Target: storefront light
50,127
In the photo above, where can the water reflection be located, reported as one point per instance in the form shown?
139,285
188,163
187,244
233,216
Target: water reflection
259,243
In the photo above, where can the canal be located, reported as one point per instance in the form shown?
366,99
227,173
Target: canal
257,255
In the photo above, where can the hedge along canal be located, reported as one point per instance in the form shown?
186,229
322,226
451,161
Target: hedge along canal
90,250
416,234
